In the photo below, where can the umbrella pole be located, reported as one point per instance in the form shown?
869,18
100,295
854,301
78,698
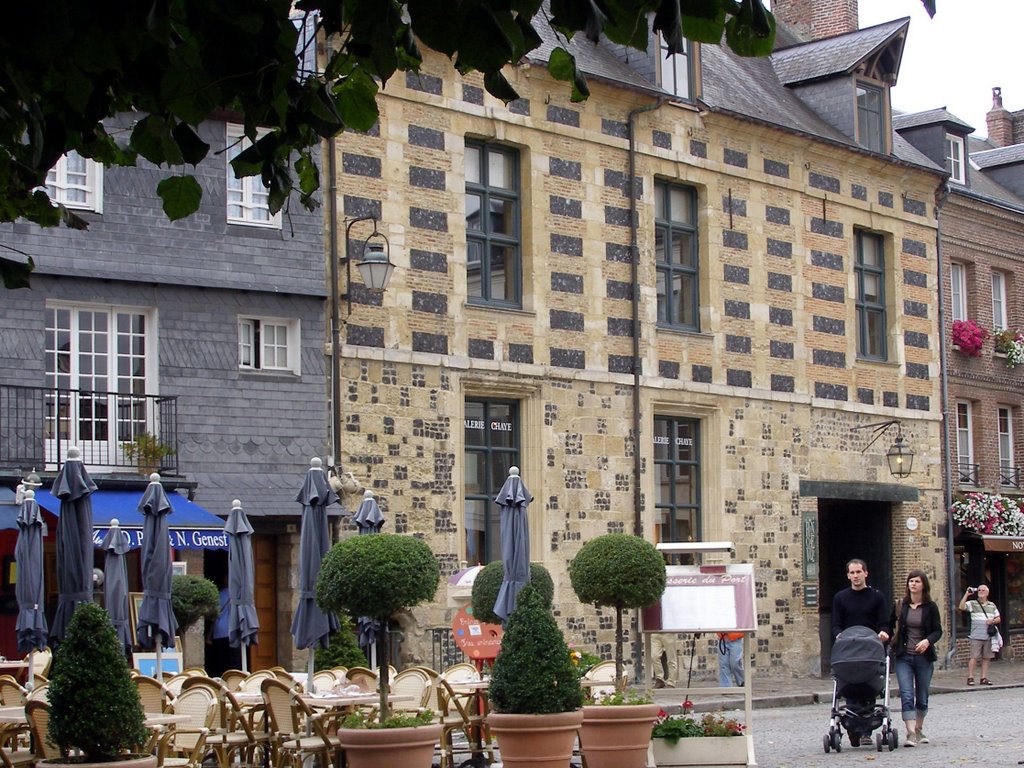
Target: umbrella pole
245,657
309,671
159,662
29,677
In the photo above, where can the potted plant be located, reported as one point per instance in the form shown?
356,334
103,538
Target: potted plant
343,649
1010,344
378,576
620,571
193,598
684,740
94,705
488,584
535,691
968,337
146,452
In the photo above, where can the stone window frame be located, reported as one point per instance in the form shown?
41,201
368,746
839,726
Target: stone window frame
255,348
868,308
247,200
76,182
485,238
496,461
670,464
667,272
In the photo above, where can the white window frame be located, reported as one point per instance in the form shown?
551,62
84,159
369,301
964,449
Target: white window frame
958,291
268,331
81,189
999,320
956,159
1004,422
247,199
964,440
672,65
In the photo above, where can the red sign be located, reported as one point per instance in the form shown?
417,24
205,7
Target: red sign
476,639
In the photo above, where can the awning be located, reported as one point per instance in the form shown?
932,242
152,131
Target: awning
1004,544
192,526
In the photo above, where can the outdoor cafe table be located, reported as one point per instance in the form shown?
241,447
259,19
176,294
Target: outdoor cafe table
13,716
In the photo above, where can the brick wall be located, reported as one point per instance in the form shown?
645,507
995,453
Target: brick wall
814,20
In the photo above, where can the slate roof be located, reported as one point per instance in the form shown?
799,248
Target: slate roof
835,55
929,117
999,156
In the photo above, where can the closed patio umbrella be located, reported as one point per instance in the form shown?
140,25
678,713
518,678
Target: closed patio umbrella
243,623
30,626
74,540
513,499
157,625
115,581
368,519
311,627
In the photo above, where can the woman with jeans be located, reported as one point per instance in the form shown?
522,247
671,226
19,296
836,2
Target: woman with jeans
918,628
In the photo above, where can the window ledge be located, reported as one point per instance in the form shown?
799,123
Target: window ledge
487,308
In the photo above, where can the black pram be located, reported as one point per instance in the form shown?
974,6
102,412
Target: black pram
860,672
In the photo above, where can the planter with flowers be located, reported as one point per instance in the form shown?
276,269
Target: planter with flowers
1010,344
968,337
989,514
685,740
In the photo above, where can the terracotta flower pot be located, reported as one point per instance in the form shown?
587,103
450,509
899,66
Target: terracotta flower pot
535,741
128,761
390,747
617,736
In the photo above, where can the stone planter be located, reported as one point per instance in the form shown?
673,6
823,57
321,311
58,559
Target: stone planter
617,736
390,747
535,741
702,751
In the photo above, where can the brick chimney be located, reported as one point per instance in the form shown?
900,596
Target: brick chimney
814,19
999,121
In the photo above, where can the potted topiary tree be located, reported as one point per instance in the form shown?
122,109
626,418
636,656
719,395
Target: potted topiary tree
378,576
535,691
147,452
488,584
193,598
94,705
620,571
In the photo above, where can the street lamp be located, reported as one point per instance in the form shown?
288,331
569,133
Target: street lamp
374,261
899,457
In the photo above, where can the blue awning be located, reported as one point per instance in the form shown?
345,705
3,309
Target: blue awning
192,526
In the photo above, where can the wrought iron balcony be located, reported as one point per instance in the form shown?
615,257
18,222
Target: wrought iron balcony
1009,477
114,431
967,474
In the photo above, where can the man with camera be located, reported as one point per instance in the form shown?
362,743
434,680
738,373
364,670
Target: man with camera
984,618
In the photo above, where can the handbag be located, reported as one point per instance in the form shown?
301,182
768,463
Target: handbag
991,627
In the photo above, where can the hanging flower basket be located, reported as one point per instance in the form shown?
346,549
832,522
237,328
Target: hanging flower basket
989,514
968,337
1010,342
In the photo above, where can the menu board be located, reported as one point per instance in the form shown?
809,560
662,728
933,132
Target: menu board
705,598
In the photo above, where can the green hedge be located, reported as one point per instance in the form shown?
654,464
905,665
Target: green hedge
488,584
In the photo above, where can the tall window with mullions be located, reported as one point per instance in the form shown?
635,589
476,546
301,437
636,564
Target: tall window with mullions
493,250
677,487
491,438
676,255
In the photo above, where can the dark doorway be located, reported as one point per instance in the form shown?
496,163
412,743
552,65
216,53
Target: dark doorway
850,529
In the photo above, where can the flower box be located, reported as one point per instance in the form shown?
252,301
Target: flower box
703,751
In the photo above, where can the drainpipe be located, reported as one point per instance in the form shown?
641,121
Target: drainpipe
947,464
332,208
635,275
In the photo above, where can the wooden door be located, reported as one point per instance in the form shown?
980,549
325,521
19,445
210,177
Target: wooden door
264,553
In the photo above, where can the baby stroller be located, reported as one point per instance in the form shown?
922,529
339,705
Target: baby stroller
860,672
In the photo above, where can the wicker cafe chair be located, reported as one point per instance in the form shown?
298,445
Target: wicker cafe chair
184,745
38,714
252,683
456,712
412,682
363,677
155,696
296,731
324,681
233,678
12,693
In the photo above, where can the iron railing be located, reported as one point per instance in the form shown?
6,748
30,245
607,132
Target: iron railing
444,652
967,474
1009,477
39,424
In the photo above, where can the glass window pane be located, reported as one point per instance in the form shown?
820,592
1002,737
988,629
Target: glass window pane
871,287
682,249
502,216
876,334
473,165
502,260
476,511
682,205
476,468
473,221
500,170
870,251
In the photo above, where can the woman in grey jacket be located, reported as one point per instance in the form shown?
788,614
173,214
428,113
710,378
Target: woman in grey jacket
918,628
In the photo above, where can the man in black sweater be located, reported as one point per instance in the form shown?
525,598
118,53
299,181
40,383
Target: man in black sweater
861,605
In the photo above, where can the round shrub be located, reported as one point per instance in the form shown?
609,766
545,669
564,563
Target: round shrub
94,705
193,598
343,649
620,571
488,584
534,673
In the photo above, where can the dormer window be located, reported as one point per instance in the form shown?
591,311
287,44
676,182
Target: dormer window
955,159
674,70
871,117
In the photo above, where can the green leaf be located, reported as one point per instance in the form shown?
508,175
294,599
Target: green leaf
309,174
193,149
181,196
356,98
15,274
751,33
499,87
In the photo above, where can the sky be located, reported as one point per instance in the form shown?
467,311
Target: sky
955,59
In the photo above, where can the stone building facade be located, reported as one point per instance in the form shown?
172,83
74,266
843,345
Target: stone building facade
748,419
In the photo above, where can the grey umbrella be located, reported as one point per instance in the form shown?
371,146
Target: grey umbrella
513,499
243,623
28,553
74,540
157,625
368,519
115,581
311,627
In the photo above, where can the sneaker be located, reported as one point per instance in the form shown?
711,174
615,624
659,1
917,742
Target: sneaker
911,740
921,738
